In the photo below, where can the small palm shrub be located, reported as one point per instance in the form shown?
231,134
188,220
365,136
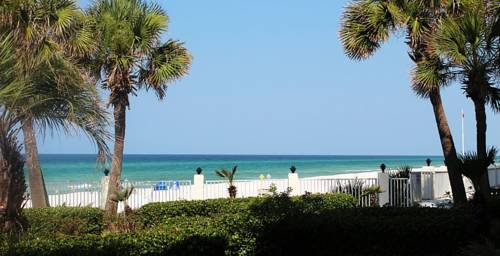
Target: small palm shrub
472,166
372,193
229,175
402,172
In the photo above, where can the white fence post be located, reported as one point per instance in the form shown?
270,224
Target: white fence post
383,182
294,183
103,191
198,192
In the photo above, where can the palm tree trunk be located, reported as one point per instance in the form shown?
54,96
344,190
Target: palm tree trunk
35,176
449,150
479,107
116,164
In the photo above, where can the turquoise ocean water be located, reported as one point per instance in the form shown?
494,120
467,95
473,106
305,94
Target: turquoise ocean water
82,168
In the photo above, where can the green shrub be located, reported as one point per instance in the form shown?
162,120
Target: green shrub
368,231
275,225
64,220
282,205
311,203
156,213
356,231
181,236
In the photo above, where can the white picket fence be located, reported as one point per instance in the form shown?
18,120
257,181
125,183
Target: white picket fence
401,192
90,194
354,187
71,194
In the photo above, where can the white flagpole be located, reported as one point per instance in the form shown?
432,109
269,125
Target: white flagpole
463,135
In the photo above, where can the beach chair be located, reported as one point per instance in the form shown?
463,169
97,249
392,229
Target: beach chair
162,185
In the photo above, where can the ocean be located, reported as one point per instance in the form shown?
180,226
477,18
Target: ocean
83,168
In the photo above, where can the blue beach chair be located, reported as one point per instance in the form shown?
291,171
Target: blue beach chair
162,185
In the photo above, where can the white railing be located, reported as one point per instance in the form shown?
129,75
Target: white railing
422,185
354,187
158,191
244,188
71,194
400,193
91,194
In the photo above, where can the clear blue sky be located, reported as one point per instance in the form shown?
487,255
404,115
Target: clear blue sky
270,77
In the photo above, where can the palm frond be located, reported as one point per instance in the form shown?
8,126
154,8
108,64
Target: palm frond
123,195
429,75
365,25
493,98
472,166
167,63
229,175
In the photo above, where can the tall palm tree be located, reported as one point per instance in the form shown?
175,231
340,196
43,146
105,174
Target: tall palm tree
131,56
368,23
469,49
49,35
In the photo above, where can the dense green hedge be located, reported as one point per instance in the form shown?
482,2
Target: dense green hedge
157,213
278,225
195,235
64,220
368,231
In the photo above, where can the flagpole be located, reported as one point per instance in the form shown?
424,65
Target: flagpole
463,135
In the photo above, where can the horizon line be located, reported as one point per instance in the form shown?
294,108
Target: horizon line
230,154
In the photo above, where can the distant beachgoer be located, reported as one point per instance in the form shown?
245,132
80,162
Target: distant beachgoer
262,177
268,176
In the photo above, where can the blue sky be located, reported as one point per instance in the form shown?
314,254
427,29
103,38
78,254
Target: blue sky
270,77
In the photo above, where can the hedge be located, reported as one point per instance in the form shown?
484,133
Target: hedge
157,213
64,220
277,225
182,235
368,231
362,231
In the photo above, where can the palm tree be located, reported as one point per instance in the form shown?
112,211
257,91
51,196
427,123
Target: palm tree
130,56
469,49
368,23
473,166
229,175
12,186
48,36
